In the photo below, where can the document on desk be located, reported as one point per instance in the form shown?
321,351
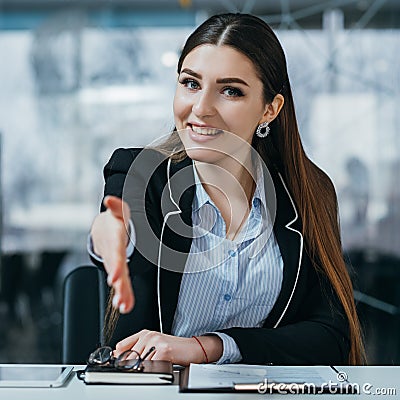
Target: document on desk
260,378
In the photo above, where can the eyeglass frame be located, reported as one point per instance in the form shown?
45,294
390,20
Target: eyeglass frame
115,362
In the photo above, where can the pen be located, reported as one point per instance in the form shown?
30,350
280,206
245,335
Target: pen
243,387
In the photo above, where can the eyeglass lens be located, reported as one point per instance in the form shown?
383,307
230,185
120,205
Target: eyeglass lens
129,359
101,355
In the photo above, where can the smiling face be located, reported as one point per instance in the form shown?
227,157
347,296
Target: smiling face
218,94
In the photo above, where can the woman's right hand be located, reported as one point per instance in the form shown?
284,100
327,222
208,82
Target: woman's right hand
110,238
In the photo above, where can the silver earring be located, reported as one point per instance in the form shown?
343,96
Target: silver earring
263,130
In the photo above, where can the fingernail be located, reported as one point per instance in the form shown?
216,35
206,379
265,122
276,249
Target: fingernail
122,308
109,280
115,301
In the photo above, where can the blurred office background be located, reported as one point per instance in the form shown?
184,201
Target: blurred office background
80,78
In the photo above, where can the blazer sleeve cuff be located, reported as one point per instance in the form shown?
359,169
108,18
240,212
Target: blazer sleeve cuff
231,353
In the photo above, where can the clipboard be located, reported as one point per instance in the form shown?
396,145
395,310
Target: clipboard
265,380
184,385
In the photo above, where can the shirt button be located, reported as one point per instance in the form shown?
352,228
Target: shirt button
227,297
232,253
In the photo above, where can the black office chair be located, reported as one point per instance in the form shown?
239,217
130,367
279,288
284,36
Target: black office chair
378,303
84,299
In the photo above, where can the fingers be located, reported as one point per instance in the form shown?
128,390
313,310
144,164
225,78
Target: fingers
128,343
143,342
149,353
114,257
124,298
154,345
119,278
109,236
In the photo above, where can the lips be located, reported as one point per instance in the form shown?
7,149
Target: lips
205,130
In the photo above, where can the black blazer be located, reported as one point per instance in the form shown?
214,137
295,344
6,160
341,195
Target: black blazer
307,323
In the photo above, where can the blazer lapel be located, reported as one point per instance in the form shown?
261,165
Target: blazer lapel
287,229
177,238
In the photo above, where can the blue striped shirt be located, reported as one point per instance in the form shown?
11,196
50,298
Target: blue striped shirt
228,283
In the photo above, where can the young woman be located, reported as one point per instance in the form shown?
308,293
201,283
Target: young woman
237,254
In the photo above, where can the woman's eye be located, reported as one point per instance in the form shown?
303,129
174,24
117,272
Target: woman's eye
190,84
232,92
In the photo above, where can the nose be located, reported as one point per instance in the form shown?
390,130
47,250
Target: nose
204,104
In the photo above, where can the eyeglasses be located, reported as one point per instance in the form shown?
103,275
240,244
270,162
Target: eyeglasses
129,360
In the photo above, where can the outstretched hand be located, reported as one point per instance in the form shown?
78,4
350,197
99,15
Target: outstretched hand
110,238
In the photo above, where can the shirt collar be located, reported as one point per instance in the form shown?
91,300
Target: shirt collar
201,197
259,193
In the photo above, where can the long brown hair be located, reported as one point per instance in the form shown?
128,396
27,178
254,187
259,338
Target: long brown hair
311,188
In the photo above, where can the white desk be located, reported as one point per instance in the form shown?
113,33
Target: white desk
375,377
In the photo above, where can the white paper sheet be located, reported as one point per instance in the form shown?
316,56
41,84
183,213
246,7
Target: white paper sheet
217,376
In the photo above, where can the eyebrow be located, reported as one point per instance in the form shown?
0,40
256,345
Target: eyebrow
221,80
